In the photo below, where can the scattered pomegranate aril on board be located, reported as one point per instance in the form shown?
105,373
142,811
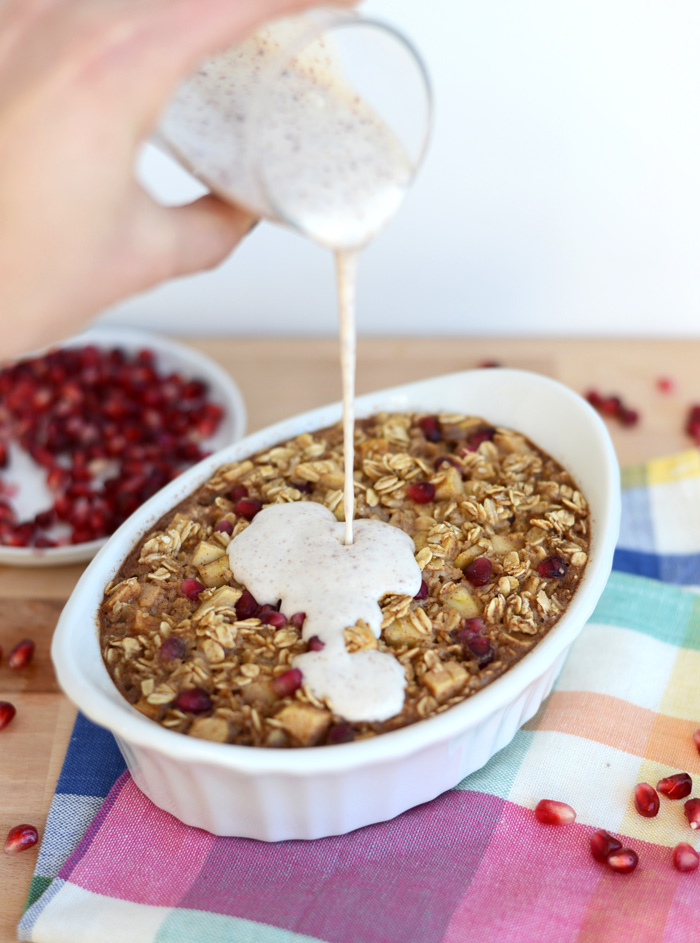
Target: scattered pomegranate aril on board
7,713
665,384
623,861
479,571
613,407
21,655
551,812
20,838
685,857
696,738
603,844
677,786
422,492
646,800
289,682
692,812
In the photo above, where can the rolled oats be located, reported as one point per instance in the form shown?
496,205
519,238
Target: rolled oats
501,498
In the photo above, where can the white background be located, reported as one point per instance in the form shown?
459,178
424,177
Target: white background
561,193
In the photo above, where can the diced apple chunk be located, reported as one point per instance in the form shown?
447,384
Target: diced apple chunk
224,596
205,552
445,680
305,723
403,632
462,601
210,728
216,573
452,486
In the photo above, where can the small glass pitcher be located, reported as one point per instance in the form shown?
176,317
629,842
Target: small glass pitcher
319,122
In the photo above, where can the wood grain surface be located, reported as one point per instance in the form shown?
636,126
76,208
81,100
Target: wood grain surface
279,378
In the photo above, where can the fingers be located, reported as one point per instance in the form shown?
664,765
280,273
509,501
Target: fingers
175,241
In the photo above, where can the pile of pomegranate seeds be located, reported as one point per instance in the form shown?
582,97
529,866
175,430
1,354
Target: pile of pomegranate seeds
20,838
108,429
613,407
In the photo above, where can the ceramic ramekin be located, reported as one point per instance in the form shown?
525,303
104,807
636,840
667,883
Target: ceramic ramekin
313,792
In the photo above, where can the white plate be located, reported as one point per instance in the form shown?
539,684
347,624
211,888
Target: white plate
171,357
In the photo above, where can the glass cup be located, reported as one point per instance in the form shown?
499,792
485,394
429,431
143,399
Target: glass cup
319,122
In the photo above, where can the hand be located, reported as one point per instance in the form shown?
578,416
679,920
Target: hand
82,83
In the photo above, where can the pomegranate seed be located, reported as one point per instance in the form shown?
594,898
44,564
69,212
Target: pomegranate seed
646,800
553,567
20,838
247,508
696,740
665,384
445,460
298,620
692,812
173,649
238,492
611,405
7,712
21,654
603,844
422,492
430,425
482,647
551,812
191,588
193,701
289,682
470,628
484,364
340,733
423,592
274,618
677,786
226,527
479,571
246,606
628,417
478,436
685,857
623,861
315,644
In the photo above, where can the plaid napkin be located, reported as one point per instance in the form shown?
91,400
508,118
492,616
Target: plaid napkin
473,865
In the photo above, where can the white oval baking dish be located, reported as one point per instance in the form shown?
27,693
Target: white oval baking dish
312,792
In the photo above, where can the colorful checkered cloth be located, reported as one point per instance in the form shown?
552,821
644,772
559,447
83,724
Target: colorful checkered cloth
474,864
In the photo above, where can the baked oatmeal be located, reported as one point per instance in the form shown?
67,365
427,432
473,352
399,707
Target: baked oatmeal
501,536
